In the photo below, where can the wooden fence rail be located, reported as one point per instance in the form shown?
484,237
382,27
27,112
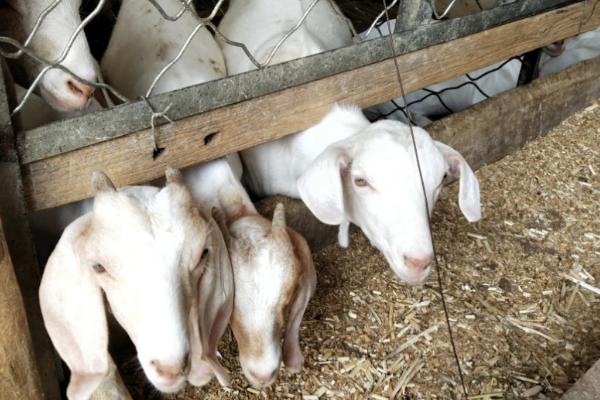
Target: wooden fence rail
128,159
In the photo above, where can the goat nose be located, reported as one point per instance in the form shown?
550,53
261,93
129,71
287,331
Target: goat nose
80,89
263,378
417,263
170,371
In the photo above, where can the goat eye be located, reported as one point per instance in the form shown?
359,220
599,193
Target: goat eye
98,268
360,182
204,254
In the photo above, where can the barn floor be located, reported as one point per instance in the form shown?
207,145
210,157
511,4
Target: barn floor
522,327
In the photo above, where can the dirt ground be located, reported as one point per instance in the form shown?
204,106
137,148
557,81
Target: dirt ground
522,326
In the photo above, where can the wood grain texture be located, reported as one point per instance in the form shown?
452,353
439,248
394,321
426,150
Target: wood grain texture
128,159
587,387
19,377
17,236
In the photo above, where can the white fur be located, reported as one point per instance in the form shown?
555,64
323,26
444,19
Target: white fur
58,88
143,42
260,24
579,48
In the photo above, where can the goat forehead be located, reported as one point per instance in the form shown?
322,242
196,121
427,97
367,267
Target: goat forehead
386,158
140,231
259,294
250,228
264,273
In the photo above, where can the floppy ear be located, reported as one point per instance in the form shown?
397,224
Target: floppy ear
468,195
213,306
320,186
307,283
112,386
73,310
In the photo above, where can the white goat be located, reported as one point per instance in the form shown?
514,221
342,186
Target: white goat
346,169
143,42
458,93
260,24
573,50
167,278
58,88
272,268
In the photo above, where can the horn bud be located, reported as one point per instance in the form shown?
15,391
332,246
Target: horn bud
173,175
278,223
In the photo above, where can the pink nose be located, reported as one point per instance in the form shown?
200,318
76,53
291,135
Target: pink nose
417,263
262,378
80,89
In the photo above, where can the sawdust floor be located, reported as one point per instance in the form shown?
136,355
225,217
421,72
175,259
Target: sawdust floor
522,328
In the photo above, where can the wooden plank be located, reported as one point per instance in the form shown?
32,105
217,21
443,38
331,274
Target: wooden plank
487,131
483,133
587,387
63,136
128,159
19,378
20,245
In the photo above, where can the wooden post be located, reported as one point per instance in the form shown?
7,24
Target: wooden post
23,335
19,378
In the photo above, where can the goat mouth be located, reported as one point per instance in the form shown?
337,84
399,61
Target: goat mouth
170,388
63,103
411,279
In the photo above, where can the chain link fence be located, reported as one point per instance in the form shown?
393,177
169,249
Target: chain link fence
98,18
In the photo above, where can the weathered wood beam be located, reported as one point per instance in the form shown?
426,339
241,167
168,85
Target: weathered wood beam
19,378
16,366
128,159
587,387
96,127
483,133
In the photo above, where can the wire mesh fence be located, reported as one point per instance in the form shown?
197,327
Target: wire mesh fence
99,18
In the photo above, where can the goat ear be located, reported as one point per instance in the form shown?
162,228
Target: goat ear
101,182
173,175
73,310
468,195
320,186
219,218
292,353
213,306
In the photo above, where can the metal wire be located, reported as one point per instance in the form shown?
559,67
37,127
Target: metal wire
437,264
438,94
446,11
62,56
22,49
378,18
38,22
